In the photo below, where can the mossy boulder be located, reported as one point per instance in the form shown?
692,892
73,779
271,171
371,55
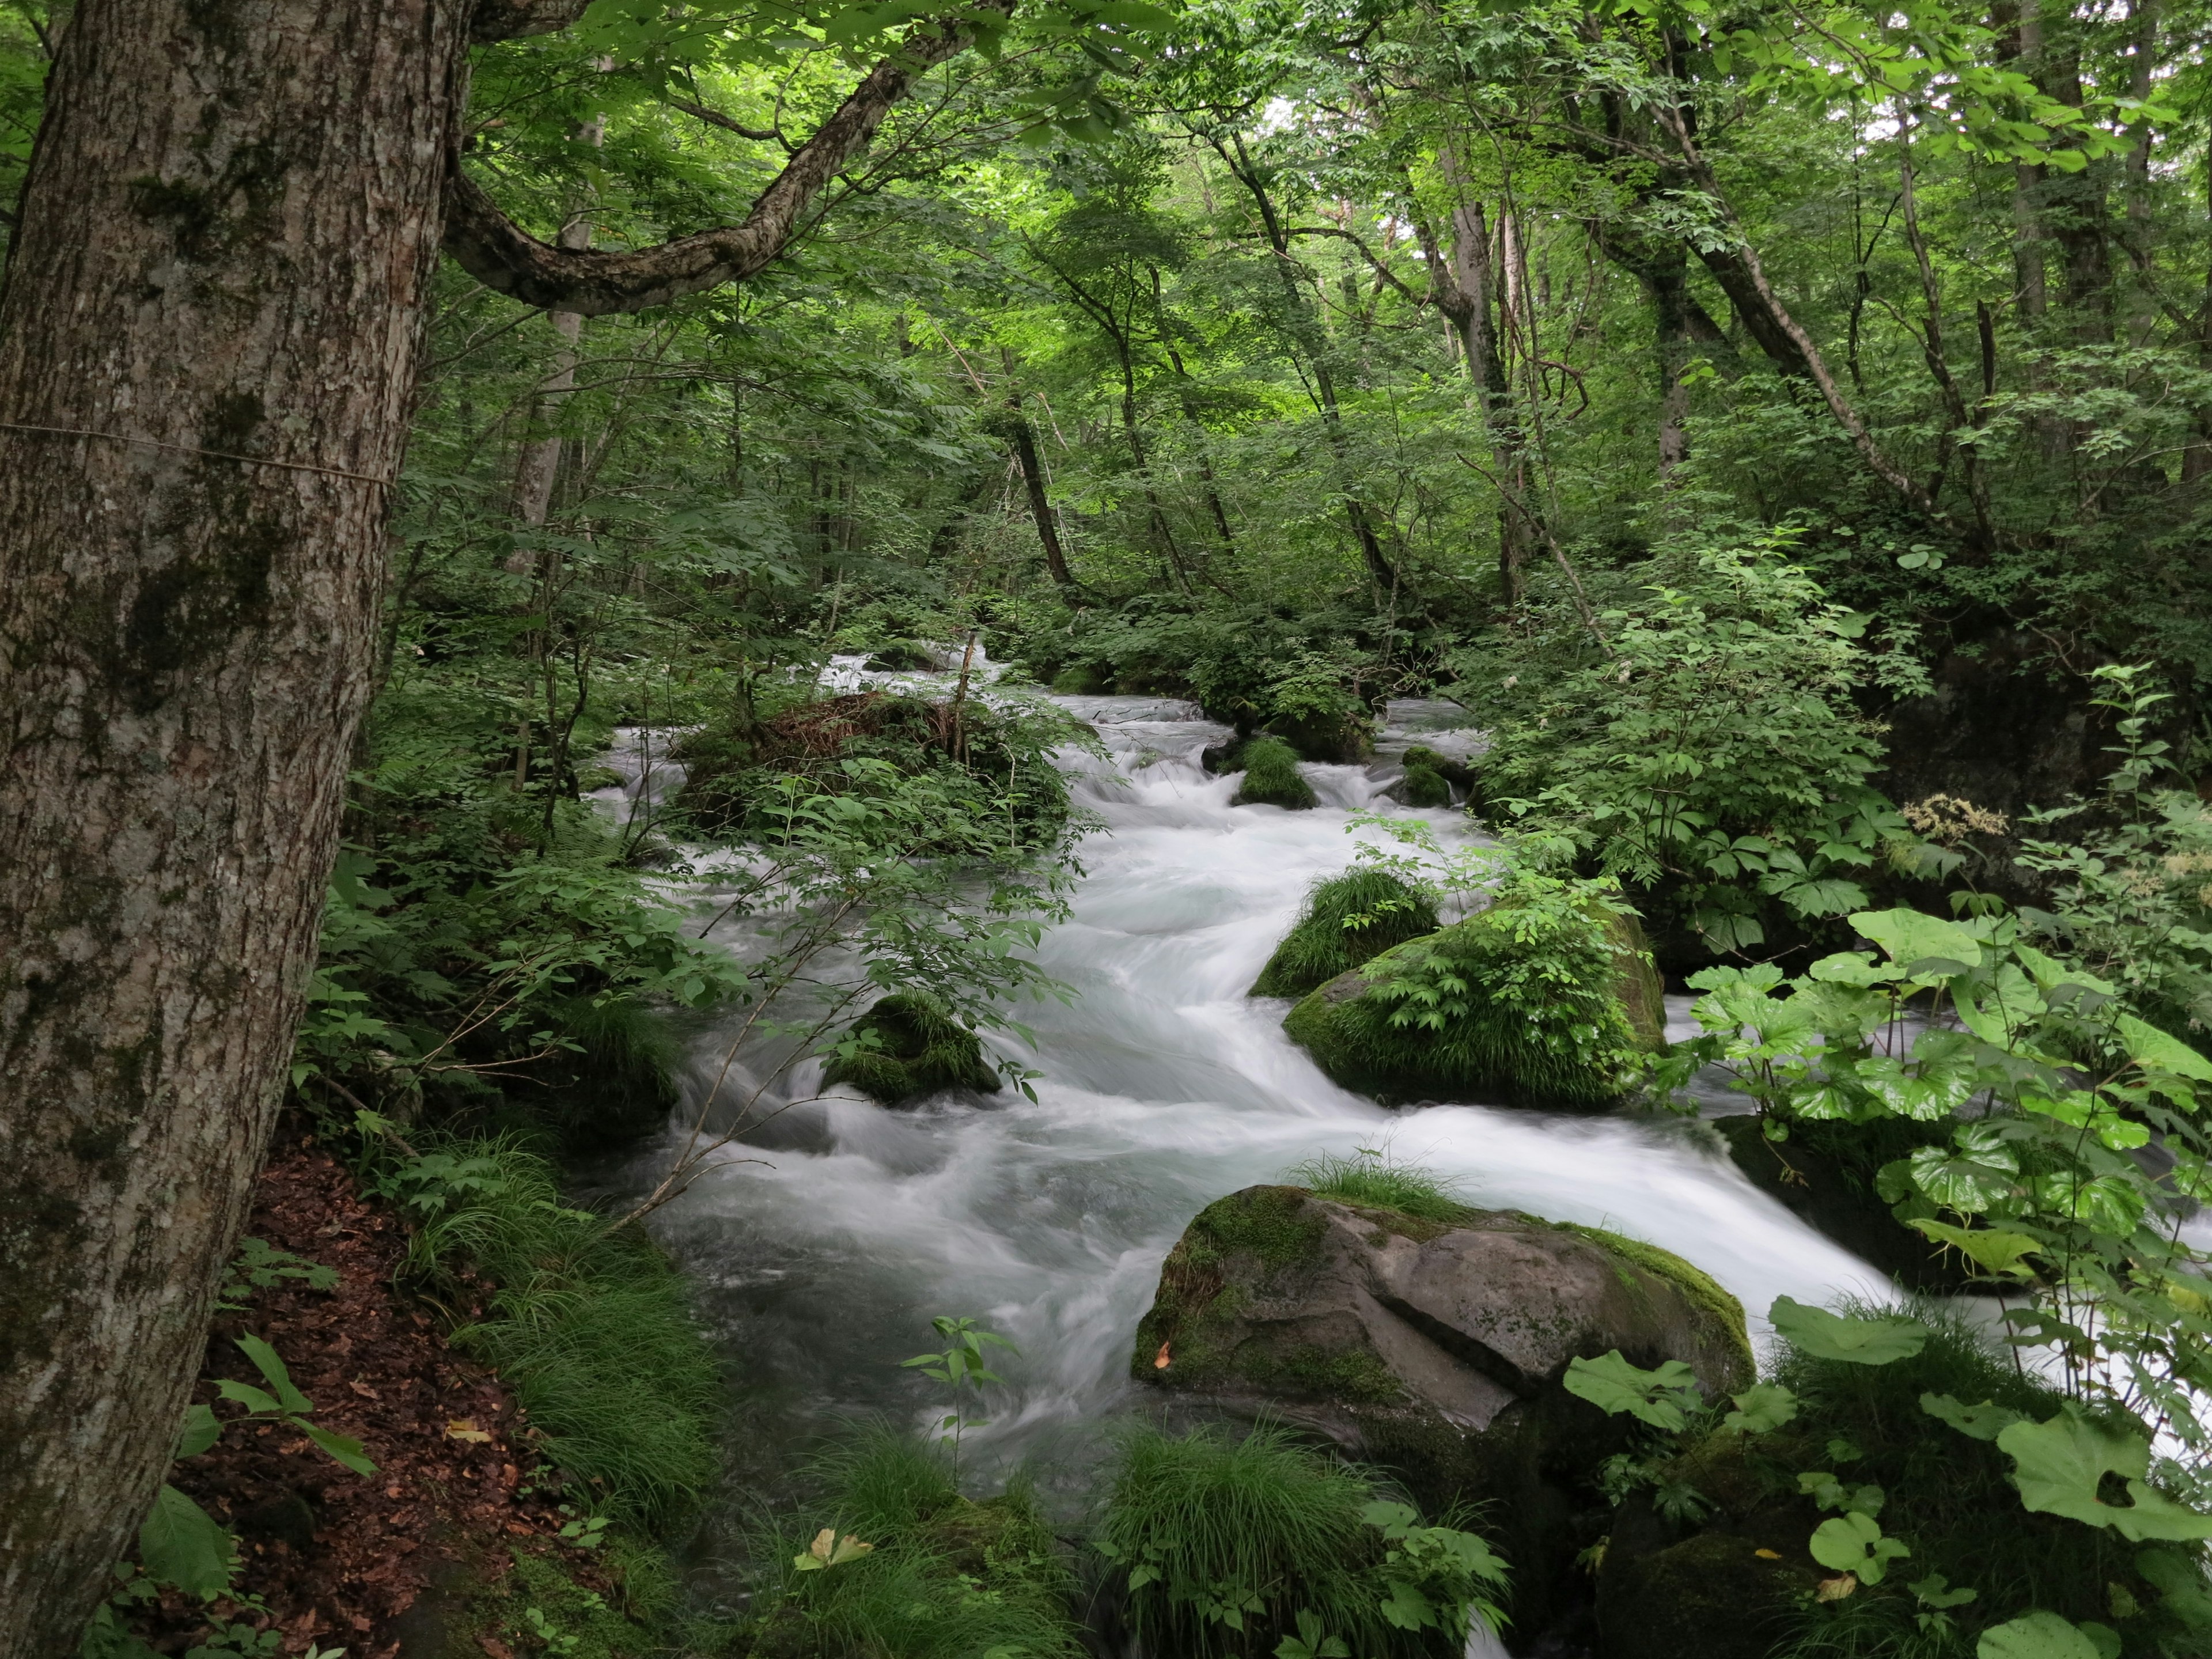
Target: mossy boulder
901,656
1272,777
1533,1009
1437,1348
908,1046
1325,941
1343,739
1423,786
1081,679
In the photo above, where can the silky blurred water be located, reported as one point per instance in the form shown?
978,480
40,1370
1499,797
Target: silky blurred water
821,1254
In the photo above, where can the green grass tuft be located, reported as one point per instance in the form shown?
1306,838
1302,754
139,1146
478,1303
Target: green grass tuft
1264,1516
948,1577
1324,942
593,1330
1272,777
1382,1183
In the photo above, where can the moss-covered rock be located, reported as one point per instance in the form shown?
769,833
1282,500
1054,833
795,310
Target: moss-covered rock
1436,1348
1423,786
918,1048
1324,942
901,656
1272,777
1343,739
1081,679
1710,1596
1533,1009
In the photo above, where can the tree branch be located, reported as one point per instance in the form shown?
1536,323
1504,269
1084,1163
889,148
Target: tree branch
510,20
595,282
714,118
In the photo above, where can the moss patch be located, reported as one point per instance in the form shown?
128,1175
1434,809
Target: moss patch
1272,777
1323,942
1702,1291
919,1050
1422,787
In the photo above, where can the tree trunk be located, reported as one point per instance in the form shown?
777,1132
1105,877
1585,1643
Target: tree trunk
1032,466
539,464
210,327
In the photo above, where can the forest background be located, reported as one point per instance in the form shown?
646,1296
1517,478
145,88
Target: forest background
1827,393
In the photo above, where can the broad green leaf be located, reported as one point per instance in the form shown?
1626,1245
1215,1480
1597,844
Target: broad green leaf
181,1544
2058,1466
1997,1253
1761,1409
2157,1051
1854,1543
273,1372
246,1394
343,1447
201,1428
1849,968
1984,1422
1823,1335
1614,1385
2036,1636
1936,1591
1968,1184
1908,937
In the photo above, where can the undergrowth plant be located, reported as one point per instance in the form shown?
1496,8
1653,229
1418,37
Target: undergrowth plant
1372,1176
1345,921
1239,1547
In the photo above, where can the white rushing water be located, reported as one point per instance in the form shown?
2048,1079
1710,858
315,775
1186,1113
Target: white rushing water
1164,1087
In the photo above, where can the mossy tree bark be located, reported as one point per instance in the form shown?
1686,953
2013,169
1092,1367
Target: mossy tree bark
226,234
209,342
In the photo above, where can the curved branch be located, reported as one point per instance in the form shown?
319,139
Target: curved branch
510,20
714,118
595,282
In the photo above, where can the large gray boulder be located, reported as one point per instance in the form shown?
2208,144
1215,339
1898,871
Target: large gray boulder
1438,1346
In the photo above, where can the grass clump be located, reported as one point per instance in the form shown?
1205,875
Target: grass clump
1227,1546
1382,1184
945,1576
1951,1498
1272,777
1348,921
590,1329
908,1044
1546,998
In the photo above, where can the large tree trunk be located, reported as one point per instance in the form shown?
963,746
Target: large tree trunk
207,341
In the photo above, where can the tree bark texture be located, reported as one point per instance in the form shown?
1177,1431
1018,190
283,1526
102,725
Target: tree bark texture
210,324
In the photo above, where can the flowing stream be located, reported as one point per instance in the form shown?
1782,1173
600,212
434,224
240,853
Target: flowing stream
821,1256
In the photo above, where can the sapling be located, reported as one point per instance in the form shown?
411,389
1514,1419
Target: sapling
960,1363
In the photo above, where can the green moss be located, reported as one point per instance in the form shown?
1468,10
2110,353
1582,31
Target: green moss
1321,943
1552,1011
1342,1374
1272,777
918,1049
1422,788
536,1606
1275,1223
1702,1291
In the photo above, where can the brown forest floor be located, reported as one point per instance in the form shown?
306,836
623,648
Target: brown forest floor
369,1564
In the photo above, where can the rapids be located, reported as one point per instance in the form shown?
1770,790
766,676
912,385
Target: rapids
821,1256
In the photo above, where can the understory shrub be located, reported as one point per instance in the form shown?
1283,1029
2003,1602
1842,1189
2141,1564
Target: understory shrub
1235,1547
891,1562
1547,997
1698,738
590,1327
907,1045
1272,777
1348,920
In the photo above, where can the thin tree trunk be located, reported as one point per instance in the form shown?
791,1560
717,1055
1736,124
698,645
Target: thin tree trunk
215,308
539,464
1032,466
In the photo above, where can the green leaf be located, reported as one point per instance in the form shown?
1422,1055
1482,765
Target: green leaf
1614,1387
1910,937
2157,1051
1983,1422
273,1372
181,1544
2059,1465
2036,1636
201,1428
1936,1591
1853,1543
1997,1253
246,1394
1820,1334
343,1447
1761,1409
